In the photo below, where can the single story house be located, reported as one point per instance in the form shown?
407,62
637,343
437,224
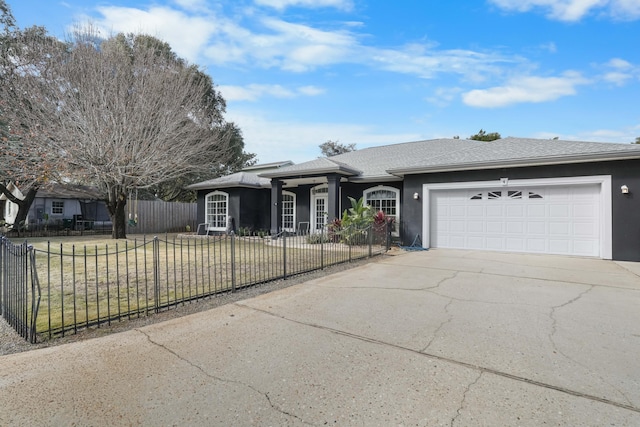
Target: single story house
512,194
62,206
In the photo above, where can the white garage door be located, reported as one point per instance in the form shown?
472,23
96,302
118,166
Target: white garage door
555,220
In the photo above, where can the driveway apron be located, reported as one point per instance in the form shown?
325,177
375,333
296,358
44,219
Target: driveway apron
441,337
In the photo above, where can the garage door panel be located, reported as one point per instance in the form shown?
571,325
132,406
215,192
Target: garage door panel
495,227
536,245
559,246
536,227
554,219
586,229
517,211
457,226
515,244
476,226
458,211
560,228
584,247
475,211
515,227
475,242
559,211
495,211
536,211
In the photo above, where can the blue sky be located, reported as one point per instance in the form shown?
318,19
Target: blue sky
296,73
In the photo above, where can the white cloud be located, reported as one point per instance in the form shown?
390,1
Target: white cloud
574,10
259,40
525,89
186,34
254,92
281,44
283,4
196,5
619,72
427,62
311,90
444,96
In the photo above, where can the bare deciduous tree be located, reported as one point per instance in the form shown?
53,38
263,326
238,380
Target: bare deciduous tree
124,113
26,158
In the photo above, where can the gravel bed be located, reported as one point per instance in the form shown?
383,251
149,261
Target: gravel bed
11,342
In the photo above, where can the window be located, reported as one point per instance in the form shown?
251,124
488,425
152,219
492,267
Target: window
387,200
288,211
515,194
57,207
216,210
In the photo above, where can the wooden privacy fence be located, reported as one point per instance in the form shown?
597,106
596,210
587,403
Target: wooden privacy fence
157,216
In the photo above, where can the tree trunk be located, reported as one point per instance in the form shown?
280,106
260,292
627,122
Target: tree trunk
24,206
116,207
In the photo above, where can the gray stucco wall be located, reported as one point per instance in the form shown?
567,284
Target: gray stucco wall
625,208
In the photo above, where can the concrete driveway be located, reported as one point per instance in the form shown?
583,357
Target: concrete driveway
444,337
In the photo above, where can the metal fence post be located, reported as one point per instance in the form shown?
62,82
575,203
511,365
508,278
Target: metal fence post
321,249
35,295
3,270
233,262
370,234
284,255
156,273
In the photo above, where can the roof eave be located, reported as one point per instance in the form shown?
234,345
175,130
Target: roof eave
309,173
376,178
218,186
590,158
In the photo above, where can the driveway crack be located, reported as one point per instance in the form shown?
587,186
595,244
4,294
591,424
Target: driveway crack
554,346
464,398
225,380
442,324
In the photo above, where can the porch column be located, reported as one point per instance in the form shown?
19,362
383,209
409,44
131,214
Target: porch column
333,208
276,206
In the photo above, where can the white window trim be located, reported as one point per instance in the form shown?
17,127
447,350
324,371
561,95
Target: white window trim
606,240
396,232
289,193
206,214
312,209
52,208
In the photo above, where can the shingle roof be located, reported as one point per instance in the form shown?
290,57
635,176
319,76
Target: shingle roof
391,161
68,191
319,166
238,179
517,152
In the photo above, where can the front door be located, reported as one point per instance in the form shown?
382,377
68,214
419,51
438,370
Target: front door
319,214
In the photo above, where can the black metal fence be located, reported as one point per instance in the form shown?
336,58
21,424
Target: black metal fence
92,285
19,291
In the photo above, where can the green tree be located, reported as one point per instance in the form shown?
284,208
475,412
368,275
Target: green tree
637,140
483,136
333,148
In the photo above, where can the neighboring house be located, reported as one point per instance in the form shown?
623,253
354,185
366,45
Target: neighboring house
513,194
9,210
62,206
